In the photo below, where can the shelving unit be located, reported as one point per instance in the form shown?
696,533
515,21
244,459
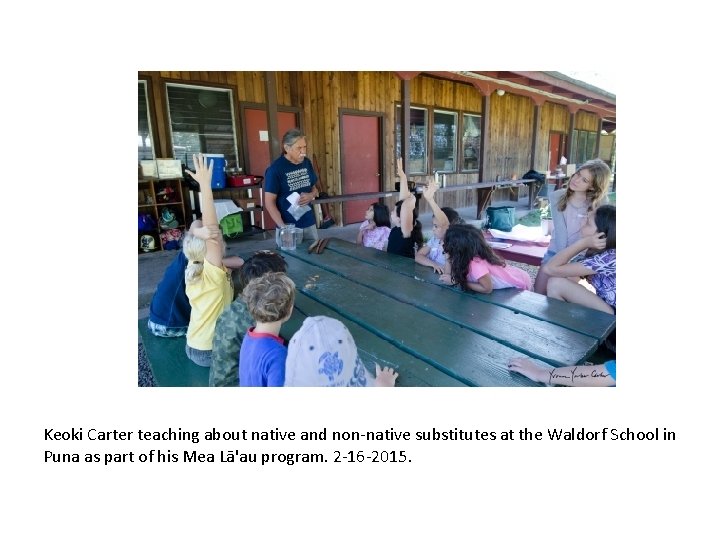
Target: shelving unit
249,198
158,198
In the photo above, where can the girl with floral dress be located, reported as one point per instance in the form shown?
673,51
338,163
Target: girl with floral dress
598,266
374,231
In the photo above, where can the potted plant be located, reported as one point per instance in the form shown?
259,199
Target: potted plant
546,223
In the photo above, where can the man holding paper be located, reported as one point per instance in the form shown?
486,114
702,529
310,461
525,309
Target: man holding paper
290,186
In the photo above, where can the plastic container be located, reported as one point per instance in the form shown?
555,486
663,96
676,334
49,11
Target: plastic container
286,238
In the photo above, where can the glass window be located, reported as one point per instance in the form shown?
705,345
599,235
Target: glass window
444,141
471,142
201,120
145,136
418,141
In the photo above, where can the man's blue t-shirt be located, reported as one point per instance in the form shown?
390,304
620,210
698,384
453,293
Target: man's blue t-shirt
283,177
262,360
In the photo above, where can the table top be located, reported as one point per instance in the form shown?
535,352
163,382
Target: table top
519,251
435,335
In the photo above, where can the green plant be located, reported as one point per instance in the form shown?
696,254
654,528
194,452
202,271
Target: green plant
546,212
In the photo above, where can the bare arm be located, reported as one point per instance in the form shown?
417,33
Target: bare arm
568,376
234,262
422,258
406,216
370,225
404,190
438,214
558,266
203,176
272,208
482,285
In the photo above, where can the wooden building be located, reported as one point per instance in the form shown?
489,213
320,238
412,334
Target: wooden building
470,126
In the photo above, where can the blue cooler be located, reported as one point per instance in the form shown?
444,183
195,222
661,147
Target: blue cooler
218,175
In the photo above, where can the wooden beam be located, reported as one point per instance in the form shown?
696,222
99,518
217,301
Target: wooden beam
272,112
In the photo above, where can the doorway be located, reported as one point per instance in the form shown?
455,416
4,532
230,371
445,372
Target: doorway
360,136
258,144
556,149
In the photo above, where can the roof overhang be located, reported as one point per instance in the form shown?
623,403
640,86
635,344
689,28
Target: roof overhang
540,87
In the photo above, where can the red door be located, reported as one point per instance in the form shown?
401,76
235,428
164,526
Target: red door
554,151
360,158
259,149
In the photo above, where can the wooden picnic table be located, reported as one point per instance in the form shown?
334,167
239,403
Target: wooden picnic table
435,335
401,316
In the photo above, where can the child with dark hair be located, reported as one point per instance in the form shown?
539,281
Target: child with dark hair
234,322
474,265
269,299
598,238
374,231
432,254
406,235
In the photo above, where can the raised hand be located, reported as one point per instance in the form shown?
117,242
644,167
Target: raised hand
430,190
203,170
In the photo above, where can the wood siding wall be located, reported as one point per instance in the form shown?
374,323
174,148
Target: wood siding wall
321,95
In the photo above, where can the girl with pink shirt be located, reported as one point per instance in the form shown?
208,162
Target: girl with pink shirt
374,231
474,266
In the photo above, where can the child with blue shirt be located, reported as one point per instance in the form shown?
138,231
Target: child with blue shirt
269,300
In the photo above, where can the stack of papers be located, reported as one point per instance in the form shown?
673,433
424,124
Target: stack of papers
522,233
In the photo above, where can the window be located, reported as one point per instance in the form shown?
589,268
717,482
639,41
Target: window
201,121
417,153
583,146
444,141
145,138
471,142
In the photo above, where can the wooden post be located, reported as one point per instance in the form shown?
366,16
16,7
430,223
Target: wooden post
484,146
272,112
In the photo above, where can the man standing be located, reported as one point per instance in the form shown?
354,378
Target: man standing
292,173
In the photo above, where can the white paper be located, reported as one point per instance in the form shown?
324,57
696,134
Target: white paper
264,136
522,233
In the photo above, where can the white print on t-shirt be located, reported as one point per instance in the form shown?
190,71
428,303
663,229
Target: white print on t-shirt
297,179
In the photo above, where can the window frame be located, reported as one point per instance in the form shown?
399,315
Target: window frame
458,147
151,134
233,117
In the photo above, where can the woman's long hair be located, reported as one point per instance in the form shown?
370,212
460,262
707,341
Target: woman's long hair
462,243
600,173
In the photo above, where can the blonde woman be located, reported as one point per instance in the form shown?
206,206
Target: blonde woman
586,191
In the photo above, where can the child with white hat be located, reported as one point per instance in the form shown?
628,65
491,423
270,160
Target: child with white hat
323,353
